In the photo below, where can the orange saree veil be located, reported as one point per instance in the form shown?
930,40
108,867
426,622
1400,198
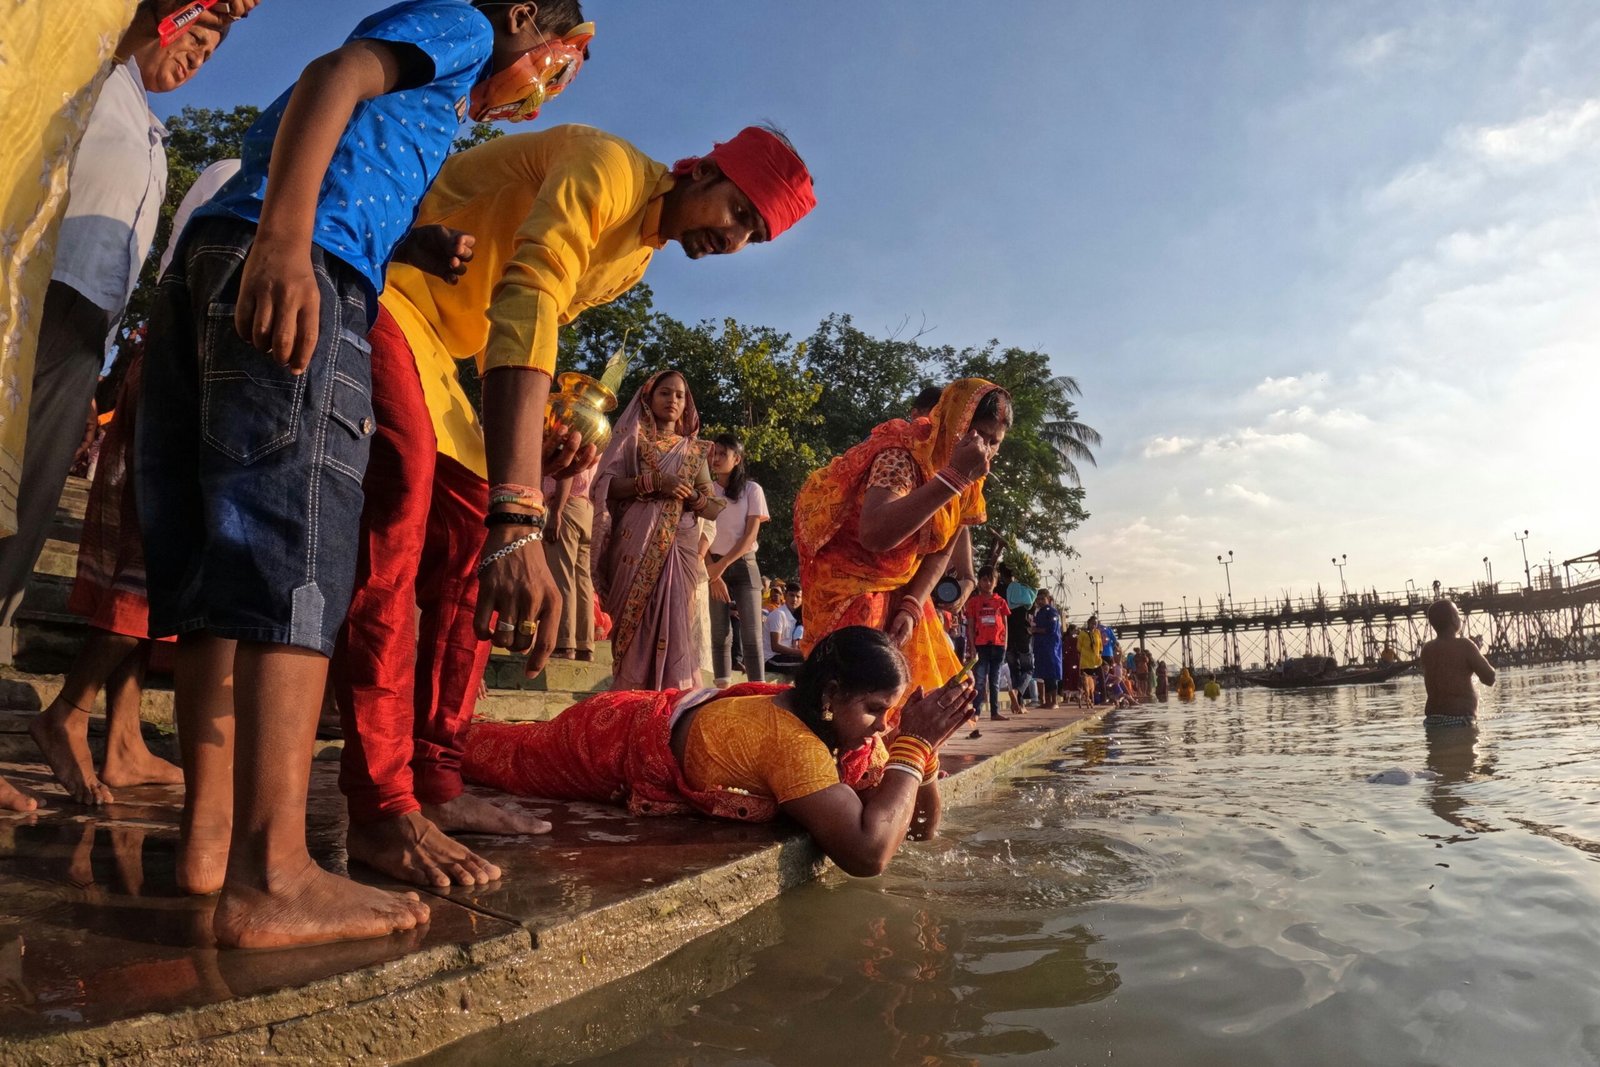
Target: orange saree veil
845,585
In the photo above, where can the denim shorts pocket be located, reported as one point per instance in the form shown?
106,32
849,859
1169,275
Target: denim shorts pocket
249,405
350,413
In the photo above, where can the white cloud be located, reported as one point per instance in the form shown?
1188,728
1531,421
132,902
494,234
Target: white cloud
1335,420
1158,447
1471,156
1250,441
1235,491
1289,387
1539,139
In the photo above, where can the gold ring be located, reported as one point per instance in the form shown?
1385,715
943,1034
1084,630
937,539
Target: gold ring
527,626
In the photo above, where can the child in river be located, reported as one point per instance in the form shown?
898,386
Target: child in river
1448,663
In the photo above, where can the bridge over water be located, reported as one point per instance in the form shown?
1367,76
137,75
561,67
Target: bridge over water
1556,618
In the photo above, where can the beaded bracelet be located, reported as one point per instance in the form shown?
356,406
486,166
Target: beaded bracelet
512,489
513,518
501,553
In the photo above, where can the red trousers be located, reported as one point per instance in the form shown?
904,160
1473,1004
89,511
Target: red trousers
406,688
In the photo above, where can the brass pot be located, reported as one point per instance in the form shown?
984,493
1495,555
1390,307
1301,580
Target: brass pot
581,405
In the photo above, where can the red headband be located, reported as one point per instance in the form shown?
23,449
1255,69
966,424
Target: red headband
767,171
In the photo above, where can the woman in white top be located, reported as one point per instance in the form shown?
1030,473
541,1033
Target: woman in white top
735,580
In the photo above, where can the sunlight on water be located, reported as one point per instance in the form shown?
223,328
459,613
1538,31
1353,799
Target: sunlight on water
1271,878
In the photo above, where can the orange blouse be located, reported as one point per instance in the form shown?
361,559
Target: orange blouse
751,744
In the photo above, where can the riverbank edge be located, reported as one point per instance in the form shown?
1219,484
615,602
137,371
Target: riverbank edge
432,998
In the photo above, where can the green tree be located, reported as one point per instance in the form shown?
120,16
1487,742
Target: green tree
865,380
752,381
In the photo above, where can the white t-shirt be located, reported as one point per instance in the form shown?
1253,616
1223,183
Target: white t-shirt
730,524
780,624
204,188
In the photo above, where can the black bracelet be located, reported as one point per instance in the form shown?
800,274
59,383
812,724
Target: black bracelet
513,518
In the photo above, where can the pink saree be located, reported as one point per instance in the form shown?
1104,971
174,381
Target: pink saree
646,550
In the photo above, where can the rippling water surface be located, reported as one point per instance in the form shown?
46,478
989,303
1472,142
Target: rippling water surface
1210,883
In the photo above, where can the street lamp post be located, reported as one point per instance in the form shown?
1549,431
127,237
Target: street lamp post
1342,561
1488,570
1522,542
1096,583
1227,571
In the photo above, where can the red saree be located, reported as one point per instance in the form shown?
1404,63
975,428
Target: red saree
616,748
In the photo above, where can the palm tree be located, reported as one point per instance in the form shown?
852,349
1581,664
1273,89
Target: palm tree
1072,440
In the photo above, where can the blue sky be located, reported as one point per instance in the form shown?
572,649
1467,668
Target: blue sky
1325,272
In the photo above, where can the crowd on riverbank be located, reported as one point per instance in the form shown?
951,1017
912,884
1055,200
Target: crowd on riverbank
295,490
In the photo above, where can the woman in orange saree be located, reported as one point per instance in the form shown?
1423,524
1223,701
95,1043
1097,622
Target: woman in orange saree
877,528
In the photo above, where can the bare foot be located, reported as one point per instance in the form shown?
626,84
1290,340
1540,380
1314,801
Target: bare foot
467,814
310,907
412,849
14,799
129,761
62,734
202,852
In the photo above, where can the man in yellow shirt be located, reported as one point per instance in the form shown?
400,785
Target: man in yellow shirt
560,221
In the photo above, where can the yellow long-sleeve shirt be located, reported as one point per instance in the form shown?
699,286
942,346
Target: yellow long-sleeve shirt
565,219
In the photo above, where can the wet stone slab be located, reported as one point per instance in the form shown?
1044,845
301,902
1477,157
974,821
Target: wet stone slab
101,958
93,928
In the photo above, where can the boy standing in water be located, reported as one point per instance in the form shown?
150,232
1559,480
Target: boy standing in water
1448,663
255,426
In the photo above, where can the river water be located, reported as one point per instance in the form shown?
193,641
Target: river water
1208,883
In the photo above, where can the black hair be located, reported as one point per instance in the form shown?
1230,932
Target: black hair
996,404
783,138
855,660
792,585
928,399
986,571
553,17
740,475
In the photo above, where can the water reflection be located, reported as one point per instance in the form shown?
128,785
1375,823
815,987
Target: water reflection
1230,872
871,978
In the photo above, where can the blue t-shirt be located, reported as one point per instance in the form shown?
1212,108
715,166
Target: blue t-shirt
393,147
1108,638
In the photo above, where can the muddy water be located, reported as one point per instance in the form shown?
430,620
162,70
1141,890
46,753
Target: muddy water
1213,883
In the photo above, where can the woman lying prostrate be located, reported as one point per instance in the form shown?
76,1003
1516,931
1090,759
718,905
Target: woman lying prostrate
813,751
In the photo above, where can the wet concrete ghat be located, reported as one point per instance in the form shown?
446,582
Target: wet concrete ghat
101,960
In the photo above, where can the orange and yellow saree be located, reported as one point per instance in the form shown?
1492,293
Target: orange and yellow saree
845,585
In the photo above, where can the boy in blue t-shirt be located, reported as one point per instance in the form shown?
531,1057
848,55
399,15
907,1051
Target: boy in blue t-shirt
257,423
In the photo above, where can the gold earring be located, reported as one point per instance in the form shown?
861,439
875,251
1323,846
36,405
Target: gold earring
827,711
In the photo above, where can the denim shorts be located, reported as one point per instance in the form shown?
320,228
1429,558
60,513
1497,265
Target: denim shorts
249,478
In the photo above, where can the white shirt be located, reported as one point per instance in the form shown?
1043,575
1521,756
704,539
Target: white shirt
731,522
119,179
204,188
780,624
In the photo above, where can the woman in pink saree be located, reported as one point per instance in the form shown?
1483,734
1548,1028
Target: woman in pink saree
652,487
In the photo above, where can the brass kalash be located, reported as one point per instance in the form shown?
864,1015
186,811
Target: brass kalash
582,402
